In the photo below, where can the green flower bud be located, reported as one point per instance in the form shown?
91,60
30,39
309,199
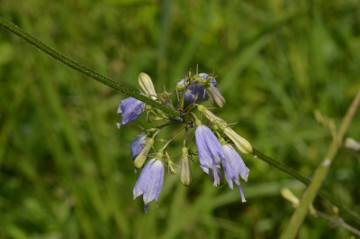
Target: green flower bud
219,124
141,158
242,144
186,176
208,114
147,85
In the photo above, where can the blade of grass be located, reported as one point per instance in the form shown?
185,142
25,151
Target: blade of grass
320,173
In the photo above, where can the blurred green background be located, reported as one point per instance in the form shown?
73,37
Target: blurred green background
65,169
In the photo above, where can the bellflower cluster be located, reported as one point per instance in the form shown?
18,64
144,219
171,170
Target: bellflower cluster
214,138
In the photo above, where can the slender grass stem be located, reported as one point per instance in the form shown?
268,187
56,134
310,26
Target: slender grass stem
320,174
322,192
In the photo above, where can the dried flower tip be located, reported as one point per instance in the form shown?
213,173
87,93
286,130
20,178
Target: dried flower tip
147,85
186,176
242,144
215,96
141,158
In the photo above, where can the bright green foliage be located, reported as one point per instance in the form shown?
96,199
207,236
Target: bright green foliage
66,171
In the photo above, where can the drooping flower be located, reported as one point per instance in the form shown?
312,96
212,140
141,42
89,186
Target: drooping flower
210,152
196,91
150,182
233,167
131,109
137,145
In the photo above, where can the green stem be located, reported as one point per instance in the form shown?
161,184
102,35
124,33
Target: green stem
171,139
320,174
322,192
123,88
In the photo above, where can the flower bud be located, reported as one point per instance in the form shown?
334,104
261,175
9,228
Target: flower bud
208,114
215,96
242,144
352,144
141,158
186,177
147,85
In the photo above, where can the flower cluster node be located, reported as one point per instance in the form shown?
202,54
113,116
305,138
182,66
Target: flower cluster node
214,138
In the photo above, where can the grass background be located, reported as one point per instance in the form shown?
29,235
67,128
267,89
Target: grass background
65,170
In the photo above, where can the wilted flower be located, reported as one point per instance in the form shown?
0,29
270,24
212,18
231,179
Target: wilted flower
196,91
150,182
210,152
233,167
131,109
137,145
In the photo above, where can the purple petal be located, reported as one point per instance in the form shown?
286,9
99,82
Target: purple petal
233,167
241,194
209,150
150,182
137,145
131,109
235,162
